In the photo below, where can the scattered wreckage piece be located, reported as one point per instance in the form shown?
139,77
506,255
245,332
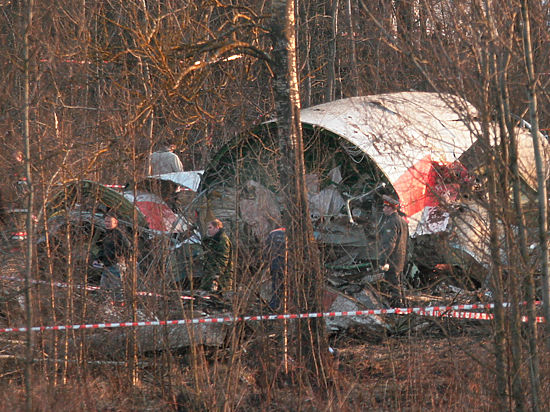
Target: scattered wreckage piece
336,301
150,339
348,292
112,343
343,294
165,237
189,180
12,294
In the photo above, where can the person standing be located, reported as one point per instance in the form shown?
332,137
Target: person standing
164,160
217,259
276,255
114,248
394,236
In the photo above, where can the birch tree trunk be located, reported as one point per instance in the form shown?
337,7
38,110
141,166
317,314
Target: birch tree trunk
331,66
496,280
533,111
527,280
305,277
497,71
353,52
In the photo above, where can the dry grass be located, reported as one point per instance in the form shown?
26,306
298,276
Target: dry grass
418,372
447,366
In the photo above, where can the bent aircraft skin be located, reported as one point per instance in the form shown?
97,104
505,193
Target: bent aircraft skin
165,238
75,226
423,148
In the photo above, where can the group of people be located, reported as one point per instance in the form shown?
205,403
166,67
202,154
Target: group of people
114,249
113,246
392,234
217,266
215,273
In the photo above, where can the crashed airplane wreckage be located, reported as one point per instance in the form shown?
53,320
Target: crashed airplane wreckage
75,223
421,147
166,240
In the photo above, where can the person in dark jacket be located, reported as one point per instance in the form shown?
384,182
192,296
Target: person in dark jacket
113,249
276,255
217,259
394,236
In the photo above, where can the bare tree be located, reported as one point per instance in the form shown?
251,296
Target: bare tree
304,272
331,72
355,80
26,58
541,170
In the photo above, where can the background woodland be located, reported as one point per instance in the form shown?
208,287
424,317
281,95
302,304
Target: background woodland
89,87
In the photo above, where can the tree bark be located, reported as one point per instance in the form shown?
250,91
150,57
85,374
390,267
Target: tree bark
496,283
353,52
331,66
305,277
522,266
511,243
533,111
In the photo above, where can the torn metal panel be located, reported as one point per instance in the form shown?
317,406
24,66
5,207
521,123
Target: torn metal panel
399,129
420,147
474,156
88,196
148,339
160,217
188,179
361,300
77,210
259,208
325,202
355,298
361,142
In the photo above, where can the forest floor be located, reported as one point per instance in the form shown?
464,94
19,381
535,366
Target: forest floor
435,364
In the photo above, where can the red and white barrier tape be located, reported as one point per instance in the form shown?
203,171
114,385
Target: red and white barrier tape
471,315
440,311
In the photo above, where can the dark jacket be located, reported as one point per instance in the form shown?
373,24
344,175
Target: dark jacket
394,237
217,263
114,247
275,249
